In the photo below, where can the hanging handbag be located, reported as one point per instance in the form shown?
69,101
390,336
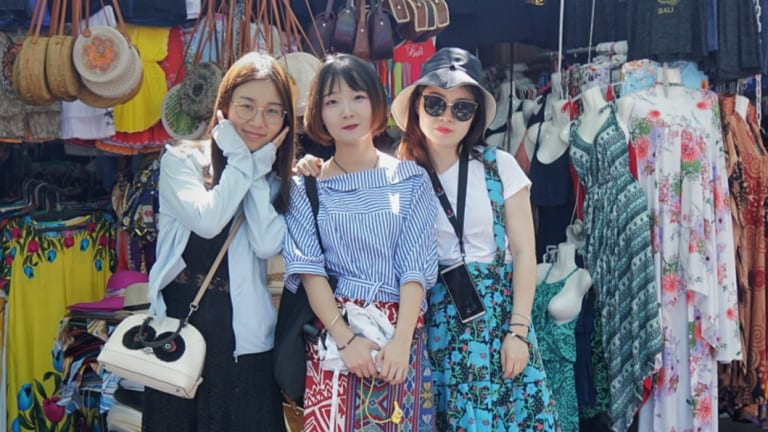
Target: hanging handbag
361,48
346,29
320,30
295,321
167,356
382,42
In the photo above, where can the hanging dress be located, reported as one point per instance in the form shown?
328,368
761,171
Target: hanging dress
557,343
747,164
681,167
470,392
618,256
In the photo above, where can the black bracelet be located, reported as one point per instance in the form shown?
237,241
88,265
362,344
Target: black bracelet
519,324
348,342
522,338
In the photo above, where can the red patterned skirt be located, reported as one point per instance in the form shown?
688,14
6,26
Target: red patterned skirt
368,404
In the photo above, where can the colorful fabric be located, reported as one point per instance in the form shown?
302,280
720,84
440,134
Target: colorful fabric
681,164
60,267
558,350
747,163
470,393
618,256
364,404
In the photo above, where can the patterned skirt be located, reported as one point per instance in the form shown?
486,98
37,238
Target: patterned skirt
368,404
470,392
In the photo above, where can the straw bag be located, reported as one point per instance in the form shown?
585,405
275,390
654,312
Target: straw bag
167,356
107,61
29,66
176,122
61,75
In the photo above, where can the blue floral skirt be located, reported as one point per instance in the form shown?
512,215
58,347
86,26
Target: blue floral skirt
470,391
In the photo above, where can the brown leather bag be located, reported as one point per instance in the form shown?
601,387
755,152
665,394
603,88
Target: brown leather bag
362,48
380,32
419,22
346,28
438,11
398,10
320,30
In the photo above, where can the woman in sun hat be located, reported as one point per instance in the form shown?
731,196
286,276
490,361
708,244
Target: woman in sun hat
488,372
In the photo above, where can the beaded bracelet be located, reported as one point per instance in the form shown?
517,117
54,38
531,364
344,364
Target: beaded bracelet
341,348
522,338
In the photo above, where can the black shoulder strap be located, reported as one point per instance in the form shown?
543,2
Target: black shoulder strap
310,186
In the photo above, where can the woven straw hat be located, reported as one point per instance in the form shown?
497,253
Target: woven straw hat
302,67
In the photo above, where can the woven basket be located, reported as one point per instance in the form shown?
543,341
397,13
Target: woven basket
176,122
122,85
63,79
101,54
92,99
199,88
29,72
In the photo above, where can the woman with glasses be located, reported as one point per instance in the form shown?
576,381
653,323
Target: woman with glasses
245,169
488,371
376,239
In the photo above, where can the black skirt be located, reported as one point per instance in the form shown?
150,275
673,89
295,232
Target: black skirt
235,395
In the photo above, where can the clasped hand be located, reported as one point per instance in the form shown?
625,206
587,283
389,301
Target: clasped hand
391,362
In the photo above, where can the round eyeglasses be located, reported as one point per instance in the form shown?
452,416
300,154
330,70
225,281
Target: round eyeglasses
462,110
272,115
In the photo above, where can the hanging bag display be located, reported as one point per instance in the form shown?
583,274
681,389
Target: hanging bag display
167,356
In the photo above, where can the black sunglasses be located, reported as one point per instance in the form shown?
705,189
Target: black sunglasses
462,110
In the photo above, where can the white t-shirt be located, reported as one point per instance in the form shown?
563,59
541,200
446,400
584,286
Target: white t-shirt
479,243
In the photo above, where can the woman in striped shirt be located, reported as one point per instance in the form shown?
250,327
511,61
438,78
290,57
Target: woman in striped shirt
376,222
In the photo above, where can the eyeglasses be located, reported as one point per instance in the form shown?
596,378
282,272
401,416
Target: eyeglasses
272,115
462,110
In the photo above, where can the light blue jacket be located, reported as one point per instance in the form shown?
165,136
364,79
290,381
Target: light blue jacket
186,205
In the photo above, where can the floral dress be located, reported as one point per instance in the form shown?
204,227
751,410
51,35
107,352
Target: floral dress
470,393
681,167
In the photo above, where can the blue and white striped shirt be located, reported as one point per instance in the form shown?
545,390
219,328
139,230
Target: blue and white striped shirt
377,228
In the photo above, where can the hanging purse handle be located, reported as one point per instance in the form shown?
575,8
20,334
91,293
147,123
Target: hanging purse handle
196,302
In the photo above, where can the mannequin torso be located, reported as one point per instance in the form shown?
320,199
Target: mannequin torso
592,118
551,143
517,123
565,306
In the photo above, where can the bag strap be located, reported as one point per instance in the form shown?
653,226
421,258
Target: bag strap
203,288
310,186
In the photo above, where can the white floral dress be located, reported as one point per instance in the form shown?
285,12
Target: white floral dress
681,167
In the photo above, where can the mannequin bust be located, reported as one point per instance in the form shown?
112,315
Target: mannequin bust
565,306
591,118
531,107
741,105
502,105
552,145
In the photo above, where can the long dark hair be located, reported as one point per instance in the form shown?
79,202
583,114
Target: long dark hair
413,145
257,66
